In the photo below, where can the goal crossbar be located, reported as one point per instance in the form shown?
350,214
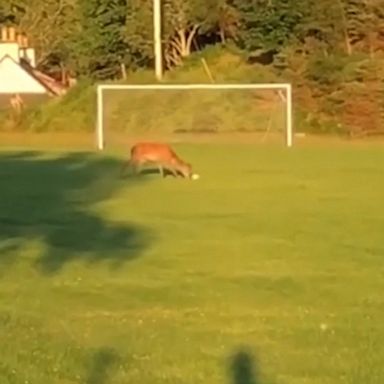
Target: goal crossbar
209,86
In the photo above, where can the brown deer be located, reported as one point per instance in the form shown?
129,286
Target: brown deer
160,154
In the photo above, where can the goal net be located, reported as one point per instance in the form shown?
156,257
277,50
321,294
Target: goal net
155,110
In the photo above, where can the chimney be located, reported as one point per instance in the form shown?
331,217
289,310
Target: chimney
4,34
16,45
25,42
19,40
9,43
11,34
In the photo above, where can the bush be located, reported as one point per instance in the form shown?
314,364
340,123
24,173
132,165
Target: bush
73,111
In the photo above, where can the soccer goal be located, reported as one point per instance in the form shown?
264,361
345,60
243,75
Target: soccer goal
193,108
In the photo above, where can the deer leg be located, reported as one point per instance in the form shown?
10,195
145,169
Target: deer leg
174,172
161,170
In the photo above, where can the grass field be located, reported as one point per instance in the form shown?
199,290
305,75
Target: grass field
269,269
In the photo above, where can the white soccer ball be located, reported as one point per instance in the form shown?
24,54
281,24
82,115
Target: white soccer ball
195,176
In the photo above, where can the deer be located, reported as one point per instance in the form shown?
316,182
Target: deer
160,154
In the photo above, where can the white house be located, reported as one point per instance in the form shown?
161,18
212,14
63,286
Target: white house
18,73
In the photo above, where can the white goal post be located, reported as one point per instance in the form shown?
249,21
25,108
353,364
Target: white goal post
167,87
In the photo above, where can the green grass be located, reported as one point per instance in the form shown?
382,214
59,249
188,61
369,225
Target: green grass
268,269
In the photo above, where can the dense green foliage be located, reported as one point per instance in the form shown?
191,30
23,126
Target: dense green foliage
330,50
98,34
98,45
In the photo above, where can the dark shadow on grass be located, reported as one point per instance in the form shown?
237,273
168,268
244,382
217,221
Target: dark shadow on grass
102,366
147,172
245,368
51,199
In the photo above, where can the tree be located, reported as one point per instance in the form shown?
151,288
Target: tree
180,27
183,21
98,45
227,21
267,25
138,33
220,18
325,22
364,22
46,23
5,14
344,25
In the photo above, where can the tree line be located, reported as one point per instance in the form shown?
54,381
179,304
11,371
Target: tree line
95,38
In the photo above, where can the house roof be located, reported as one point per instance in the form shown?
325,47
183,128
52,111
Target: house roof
52,87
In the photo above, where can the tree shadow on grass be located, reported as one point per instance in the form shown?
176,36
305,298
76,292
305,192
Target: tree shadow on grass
103,364
51,199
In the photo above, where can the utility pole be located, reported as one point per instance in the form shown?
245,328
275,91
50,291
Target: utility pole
157,39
